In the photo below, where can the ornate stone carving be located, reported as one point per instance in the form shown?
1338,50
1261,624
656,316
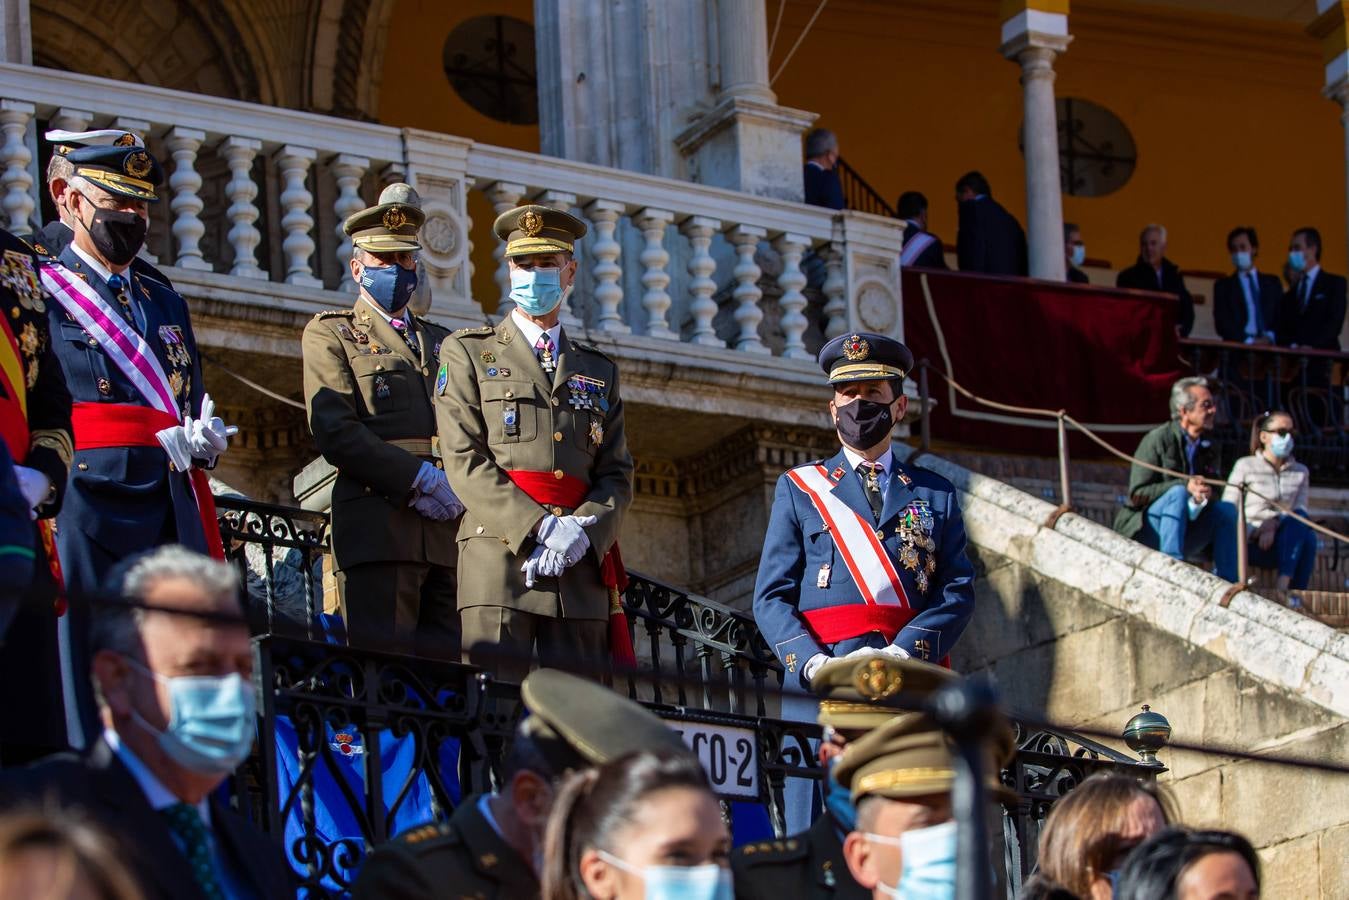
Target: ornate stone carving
877,309
439,234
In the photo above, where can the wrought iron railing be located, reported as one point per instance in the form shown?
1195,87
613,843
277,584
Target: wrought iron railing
858,194
434,732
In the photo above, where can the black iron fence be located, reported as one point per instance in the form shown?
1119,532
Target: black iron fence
858,194
357,745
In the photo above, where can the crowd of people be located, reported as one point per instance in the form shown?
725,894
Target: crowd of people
481,481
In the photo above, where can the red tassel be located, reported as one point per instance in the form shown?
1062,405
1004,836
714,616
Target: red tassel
620,639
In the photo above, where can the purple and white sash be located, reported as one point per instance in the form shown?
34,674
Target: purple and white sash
128,349
915,247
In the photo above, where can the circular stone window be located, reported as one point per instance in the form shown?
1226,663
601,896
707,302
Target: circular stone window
1096,152
489,61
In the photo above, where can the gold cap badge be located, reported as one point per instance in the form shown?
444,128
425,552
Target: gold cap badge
876,680
395,218
126,140
855,348
531,223
137,165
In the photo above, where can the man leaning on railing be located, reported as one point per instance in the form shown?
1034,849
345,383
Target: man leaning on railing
1181,517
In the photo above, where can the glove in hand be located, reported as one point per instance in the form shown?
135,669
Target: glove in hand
566,535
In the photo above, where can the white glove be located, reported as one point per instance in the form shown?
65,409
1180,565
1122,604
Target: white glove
445,495
208,436
34,486
895,652
428,506
813,665
177,445
566,535
431,482
889,650
542,563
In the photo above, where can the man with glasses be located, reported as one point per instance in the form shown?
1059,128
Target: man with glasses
1182,517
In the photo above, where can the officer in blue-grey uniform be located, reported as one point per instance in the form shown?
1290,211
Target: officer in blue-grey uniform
144,427
862,551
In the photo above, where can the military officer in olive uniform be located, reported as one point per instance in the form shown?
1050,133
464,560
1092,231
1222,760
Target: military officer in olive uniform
35,427
771,870
369,372
490,846
531,426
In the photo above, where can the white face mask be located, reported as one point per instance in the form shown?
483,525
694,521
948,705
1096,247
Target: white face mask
707,882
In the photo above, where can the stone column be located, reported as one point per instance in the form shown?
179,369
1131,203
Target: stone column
742,49
1033,37
1329,26
16,32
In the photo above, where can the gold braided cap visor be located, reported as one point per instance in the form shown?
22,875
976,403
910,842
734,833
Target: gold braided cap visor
120,184
863,371
383,242
539,243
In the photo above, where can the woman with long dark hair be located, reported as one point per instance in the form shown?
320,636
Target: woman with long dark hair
1270,473
643,826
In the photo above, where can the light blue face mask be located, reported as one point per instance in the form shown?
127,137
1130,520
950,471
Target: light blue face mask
1297,260
709,882
389,286
1242,260
1079,255
838,800
1281,445
928,863
537,291
212,721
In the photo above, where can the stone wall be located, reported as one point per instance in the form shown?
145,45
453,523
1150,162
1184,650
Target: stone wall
1082,627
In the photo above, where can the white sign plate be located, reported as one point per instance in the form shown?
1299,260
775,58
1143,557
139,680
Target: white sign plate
728,753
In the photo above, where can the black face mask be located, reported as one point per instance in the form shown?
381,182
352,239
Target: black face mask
118,235
863,424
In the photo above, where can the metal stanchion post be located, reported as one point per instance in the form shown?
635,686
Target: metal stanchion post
925,421
1065,481
1242,574
968,711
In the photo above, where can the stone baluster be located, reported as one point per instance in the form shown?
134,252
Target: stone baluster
183,144
604,215
296,199
835,289
244,237
504,195
656,301
67,119
563,202
18,181
746,239
348,170
139,127
699,231
792,301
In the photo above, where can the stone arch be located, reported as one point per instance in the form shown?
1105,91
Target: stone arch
346,62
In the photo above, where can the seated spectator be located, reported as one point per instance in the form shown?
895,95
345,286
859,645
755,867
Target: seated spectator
1178,516
921,249
59,857
1271,473
1074,253
1191,865
1246,303
1089,832
821,175
172,671
989,239
1154,272
644,825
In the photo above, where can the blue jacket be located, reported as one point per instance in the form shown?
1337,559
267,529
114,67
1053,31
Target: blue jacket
121,500
798,544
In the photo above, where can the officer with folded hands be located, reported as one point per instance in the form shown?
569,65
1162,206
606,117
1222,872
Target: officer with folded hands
369,378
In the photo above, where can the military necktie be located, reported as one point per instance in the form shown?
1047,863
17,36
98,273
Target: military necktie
402,328
543,347
185,822
120,288
871,479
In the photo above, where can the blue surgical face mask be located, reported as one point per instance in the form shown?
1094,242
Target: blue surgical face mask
1281,445
708,882
1242,259
1079,255
928,863
391,287
212,721
537,291
838,801
1297,260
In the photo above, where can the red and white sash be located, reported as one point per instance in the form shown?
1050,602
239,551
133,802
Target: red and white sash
128,350
867,560
915,247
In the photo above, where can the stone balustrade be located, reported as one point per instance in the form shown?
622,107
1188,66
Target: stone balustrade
259,193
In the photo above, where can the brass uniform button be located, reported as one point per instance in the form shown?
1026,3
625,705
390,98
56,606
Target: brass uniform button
557,510
439,464
83,467
555,401
379,368
557,436
479,530
426,370
510,395
557,473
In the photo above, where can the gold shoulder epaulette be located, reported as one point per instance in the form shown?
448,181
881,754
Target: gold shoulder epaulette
771,851
422,833
330,313
478,331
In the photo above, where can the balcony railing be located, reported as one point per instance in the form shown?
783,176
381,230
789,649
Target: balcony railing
259,194
359,745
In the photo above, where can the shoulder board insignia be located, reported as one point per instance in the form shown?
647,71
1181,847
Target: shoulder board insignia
772,851
424,833
329,313
479,331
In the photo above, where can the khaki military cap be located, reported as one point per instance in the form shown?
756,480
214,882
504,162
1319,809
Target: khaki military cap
390,227
851,690
538,229
578,723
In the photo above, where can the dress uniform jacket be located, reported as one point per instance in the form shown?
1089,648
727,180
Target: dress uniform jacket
462,859
369,402
121,500
809,866
1162,446
499,412
803,569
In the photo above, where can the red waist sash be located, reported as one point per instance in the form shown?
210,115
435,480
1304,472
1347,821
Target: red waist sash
569,491
102,425
832,624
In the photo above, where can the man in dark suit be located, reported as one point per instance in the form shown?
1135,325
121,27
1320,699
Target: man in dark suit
1154,272
1246,303
179,715
821,173
989,239
1074,253
921,249
1312,312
